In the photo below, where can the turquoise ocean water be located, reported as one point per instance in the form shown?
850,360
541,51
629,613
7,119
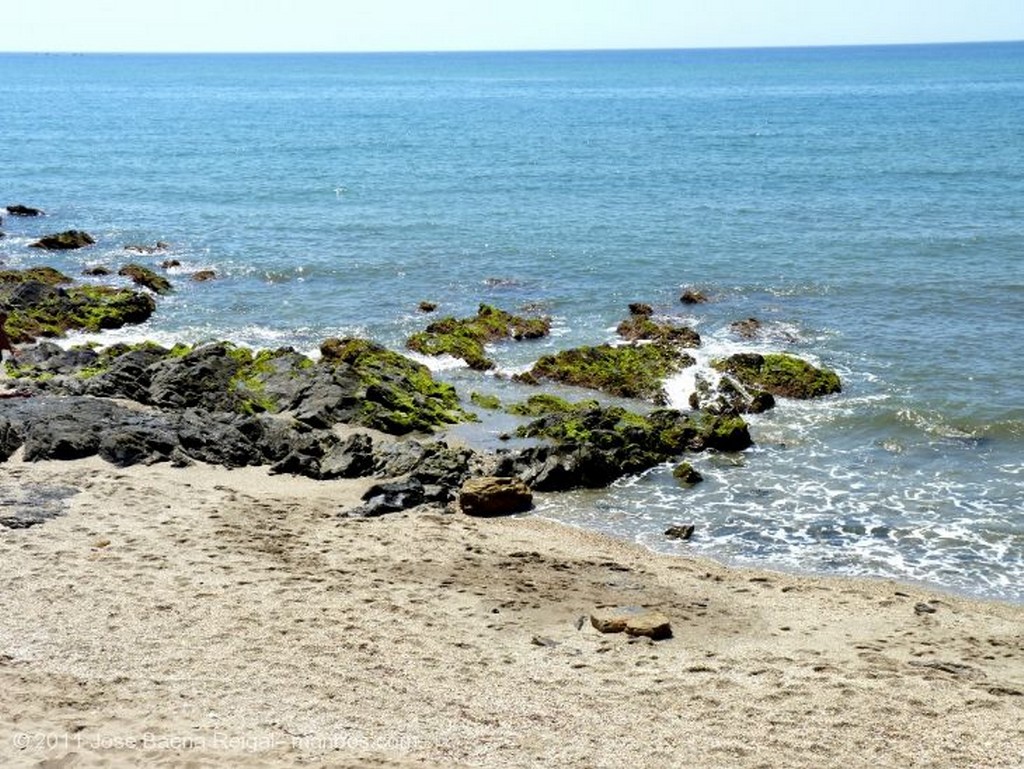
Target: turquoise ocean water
867,204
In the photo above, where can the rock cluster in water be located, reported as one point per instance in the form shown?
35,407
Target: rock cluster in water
343,415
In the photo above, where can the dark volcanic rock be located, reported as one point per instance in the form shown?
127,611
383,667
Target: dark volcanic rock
199,379
64,241
391,497
19,210
11,438
136,444
352,458
592,445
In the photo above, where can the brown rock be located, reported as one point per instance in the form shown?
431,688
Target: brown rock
640,308
692,296
632,620
203,275
492,496
428,306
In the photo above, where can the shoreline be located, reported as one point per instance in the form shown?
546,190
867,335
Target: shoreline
230,618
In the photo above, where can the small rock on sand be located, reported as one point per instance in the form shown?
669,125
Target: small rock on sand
632,620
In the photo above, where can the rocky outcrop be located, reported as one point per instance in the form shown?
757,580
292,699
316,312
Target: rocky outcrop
780,374
490,496
693,296
589,446
64,241
356,382
629,371
465,338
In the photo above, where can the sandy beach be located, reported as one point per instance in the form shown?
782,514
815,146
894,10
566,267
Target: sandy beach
205,617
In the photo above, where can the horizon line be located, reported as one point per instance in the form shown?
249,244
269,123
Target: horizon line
431,51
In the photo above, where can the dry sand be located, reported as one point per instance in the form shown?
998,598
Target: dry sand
204,617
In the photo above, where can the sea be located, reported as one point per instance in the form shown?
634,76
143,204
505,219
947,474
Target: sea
865,204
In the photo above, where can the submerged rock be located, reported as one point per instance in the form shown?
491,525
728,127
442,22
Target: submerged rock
19,210
137,248
64,241
145,277
693,296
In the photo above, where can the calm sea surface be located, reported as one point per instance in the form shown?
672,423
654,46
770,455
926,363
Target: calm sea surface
866,204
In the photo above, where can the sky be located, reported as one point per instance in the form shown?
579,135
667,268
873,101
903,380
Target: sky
445,25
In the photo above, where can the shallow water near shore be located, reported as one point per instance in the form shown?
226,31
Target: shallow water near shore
865,204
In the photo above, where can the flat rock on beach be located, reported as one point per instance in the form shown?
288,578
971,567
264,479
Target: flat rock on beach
206,617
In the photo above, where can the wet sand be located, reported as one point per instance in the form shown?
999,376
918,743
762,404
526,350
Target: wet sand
206,617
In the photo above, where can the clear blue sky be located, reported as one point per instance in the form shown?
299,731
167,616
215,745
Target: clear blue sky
439,25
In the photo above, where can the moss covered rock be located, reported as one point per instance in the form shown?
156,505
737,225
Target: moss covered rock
780,374
485,401
642,327
145,277
46,303
398,395
544,403
465,338
629,371
64,241
594,445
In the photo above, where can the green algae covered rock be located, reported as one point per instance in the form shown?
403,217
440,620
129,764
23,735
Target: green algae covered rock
780,374
397,395
628,371
589,446
465,338
356,382
145,277
640,326
43,302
